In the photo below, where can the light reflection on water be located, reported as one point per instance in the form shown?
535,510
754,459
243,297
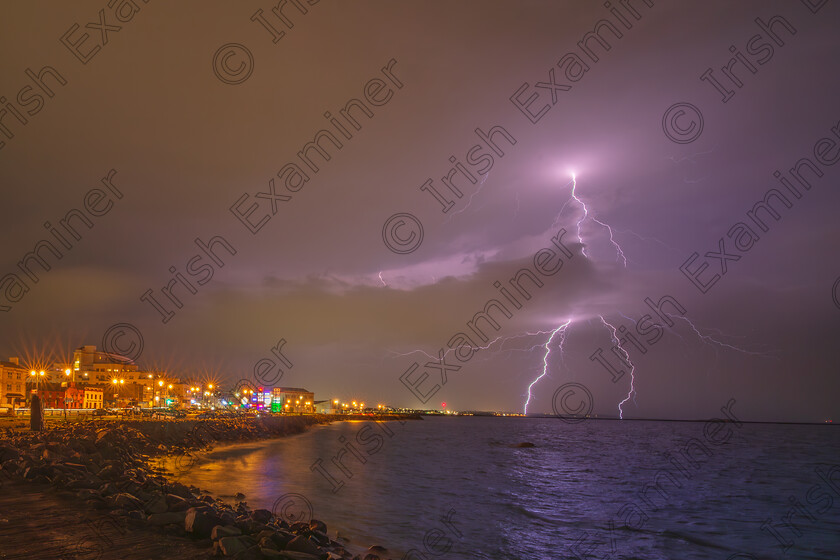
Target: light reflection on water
509,502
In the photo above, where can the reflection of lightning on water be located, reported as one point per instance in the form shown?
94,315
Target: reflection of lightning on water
562,330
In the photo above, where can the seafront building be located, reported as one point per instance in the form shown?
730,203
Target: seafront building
292,399
98,379
60,395
99,366
12,383
93,397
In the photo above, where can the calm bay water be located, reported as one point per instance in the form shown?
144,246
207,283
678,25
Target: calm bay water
584,490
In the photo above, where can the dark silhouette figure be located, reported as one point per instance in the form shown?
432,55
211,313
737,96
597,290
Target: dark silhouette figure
36,414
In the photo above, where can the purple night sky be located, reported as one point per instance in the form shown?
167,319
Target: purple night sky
504,101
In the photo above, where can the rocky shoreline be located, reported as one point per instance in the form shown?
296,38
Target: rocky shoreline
107,467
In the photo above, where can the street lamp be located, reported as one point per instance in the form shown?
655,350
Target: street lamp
115,383
36,378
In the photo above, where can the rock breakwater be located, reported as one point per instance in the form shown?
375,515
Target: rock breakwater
107,466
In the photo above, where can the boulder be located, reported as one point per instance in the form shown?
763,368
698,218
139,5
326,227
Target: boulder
321,539
261,515
157,504
281,538
109,472
302,544
176,503
125,501
137,515
221,531
199,521
249,526
230,546
180,490
267,542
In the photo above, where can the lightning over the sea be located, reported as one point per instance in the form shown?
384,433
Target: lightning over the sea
562,330
632,392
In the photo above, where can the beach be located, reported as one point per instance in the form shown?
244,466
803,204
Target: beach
93,490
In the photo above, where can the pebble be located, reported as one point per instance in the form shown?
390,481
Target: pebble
106,465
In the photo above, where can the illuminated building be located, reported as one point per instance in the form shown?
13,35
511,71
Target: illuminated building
293,399
90,365
12,383
58,395
94,397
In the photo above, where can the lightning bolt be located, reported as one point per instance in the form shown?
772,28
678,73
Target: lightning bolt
643,238
487,347
561,329
381,280
632,392
714,342
619,253
472,196
585,214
